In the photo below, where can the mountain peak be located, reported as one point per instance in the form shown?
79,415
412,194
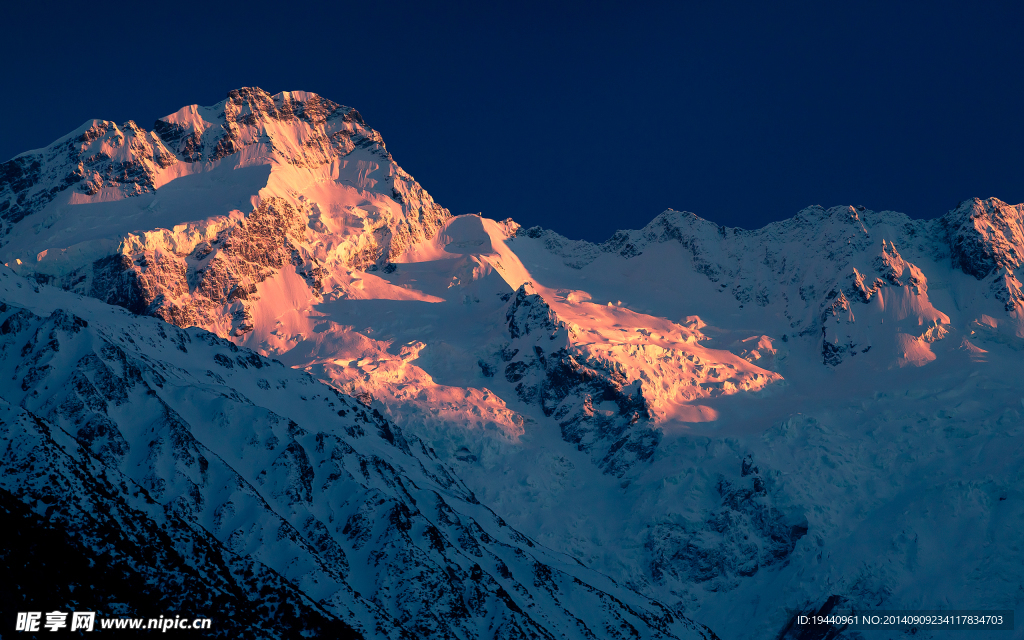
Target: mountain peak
985,235
251,116
217,193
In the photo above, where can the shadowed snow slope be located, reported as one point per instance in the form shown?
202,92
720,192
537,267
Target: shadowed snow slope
741,424
306,504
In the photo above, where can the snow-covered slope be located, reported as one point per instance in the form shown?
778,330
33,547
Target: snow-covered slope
296,505
851,387
795,275
483,322
741,424
882,471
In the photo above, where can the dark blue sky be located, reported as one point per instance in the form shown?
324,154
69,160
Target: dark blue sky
582,117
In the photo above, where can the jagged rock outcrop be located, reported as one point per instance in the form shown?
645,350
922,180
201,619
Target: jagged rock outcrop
608,388
97,156
985,235
540,361
891,282
986,240
216,284
742,536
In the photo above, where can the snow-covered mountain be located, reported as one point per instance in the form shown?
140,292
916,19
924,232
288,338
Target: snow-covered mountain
685,422
186,221
225,483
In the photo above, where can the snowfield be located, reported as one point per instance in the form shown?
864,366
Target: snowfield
416,424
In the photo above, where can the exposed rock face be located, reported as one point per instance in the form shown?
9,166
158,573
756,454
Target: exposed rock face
97,156
985,235
545,369
891,281
194,139
986,240
216,278
737,539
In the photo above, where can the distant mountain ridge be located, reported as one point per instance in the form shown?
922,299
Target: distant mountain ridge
204,271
